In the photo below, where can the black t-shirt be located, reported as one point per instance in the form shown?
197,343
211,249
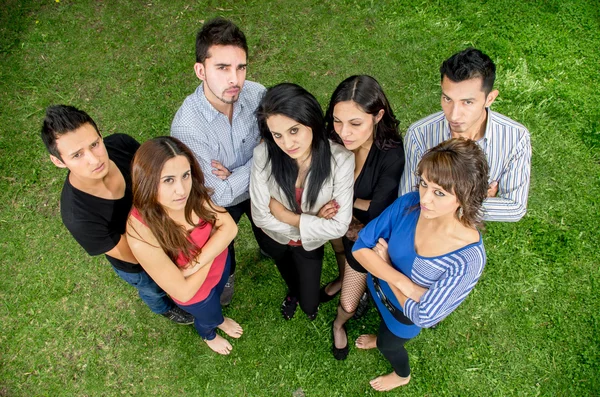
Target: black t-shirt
97,223
378,181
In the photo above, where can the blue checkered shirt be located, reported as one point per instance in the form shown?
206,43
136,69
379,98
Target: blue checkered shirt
210,135
506,145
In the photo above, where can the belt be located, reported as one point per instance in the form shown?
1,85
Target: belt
397,313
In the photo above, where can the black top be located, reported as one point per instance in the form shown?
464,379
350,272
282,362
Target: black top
378,181
97,223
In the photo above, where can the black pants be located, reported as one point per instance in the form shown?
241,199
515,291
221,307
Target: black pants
236,212
301,271
392,348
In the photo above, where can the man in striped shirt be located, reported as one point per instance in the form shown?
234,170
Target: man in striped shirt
467,80
218,124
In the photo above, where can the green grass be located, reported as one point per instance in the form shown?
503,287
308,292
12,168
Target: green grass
71,327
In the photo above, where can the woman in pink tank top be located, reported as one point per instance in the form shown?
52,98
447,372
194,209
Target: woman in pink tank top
180,236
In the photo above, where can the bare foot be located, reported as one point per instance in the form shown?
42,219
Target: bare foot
366,341
219,345
389,382
231,328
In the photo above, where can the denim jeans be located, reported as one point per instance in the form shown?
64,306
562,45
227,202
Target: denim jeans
152,295
207,313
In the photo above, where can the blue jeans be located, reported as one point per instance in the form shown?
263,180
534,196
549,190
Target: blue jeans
207,313
152,295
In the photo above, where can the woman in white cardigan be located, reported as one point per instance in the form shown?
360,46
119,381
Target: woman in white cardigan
300,190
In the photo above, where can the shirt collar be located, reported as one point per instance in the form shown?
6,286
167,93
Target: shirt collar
209,111
489,131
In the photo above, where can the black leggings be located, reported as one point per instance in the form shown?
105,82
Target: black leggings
301,271
392,348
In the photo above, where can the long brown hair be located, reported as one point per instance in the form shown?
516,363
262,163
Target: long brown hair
459,166
147,166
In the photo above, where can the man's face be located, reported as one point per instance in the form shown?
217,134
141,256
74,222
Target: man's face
83,153
223,73
464,104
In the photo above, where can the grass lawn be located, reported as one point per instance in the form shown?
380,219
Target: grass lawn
71,327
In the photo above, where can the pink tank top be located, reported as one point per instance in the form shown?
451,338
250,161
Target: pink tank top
199,236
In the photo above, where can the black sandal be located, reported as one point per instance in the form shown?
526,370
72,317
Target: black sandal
339,354
288,307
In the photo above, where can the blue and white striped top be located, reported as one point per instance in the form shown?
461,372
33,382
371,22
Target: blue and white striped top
448,277
507,147
210,135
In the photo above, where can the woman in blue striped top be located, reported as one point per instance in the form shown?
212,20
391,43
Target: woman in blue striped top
424,253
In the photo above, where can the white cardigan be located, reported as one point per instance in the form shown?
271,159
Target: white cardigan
313,231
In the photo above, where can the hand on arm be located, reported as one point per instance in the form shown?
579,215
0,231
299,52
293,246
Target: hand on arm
182,285
329,210
377,262
493,189
282,214
219,170
159,266
509,204
403,284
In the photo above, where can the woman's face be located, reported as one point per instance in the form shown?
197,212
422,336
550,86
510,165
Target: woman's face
293,138
175,183
354,125
435,201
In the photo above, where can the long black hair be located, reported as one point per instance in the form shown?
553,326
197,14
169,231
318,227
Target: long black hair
366,92
293,101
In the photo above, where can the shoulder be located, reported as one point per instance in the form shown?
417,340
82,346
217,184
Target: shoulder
471,258
339,153
252,93
120,139
122,142
139,234
76,215
260,153
391,155
190,111
426,123
508,124
408,200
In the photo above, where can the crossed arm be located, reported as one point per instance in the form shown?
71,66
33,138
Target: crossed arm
378,263
180,284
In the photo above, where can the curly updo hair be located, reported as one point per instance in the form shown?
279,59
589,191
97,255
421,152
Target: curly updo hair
459,166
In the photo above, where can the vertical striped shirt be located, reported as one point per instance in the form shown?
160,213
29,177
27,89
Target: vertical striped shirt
507,147
210,135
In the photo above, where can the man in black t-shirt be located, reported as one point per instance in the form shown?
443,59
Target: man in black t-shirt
96,197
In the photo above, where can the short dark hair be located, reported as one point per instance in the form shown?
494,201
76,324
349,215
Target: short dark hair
459,166
469,64
366,92
218,31
59,120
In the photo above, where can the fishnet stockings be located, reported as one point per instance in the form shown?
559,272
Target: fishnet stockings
353,286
